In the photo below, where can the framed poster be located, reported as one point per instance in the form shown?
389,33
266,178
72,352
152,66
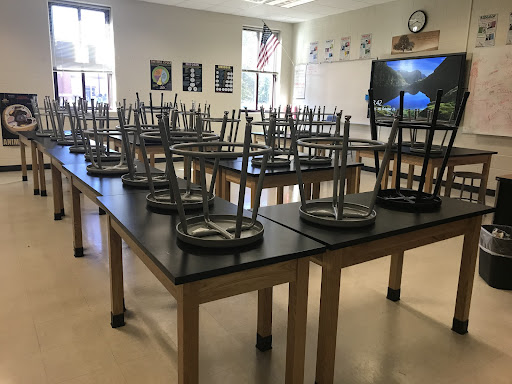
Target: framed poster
345,48
192,77
224,78
415,42
486,35
161,75
313,52
329,51
299,82
365,51
16,115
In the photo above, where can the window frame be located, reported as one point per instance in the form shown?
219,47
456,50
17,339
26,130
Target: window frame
79,7
274,74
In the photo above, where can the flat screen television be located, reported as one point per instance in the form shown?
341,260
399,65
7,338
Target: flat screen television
420,78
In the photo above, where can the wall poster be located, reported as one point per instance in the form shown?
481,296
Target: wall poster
345,48
415,42
365,51
299,82
224,78
486,34
329,51
313,52
161,75
16,115
509,33
192,77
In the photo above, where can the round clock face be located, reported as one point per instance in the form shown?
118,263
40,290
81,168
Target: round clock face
417,21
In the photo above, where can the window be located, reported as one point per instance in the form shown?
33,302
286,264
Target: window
82,51
258,87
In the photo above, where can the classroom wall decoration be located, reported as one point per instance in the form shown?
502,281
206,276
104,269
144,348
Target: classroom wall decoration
415,42
192,77
345,48
486,34
329,51
509,33
161,75
16,115
313,52
490,84
365,51
299,82
224,78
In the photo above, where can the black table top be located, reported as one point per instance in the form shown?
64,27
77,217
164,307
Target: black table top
183,263
236,166
388,222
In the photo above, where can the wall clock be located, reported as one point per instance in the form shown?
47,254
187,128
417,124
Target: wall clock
417,21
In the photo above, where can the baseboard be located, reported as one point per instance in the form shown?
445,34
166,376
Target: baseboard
403,175
14,168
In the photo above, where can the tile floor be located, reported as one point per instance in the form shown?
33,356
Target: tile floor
55,313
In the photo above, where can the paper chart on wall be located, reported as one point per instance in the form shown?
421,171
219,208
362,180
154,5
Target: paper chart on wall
486,34
329,50
365,51
345,48
223,78
299,82
313,52
192,77
509,33
161,75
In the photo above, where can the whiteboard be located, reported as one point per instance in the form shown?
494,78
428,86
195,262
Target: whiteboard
343,84
489,108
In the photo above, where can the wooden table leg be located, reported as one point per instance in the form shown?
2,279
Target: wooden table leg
280,195
188,335
152,160
352,180
35,168
385,179
328,322
429,178
58,207
252,186
219,184
449,181
483,182
466,275
357,182
297,321
226,187
196,173
410,176
264,331
77,221
42,176
394,174
115,258
23,162
316,191
395,276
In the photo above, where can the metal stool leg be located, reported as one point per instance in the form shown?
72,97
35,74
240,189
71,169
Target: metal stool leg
462,187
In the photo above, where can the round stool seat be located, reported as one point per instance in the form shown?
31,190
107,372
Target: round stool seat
468,175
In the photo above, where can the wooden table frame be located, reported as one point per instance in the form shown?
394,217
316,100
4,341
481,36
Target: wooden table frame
312,180
151,150
332,262
412,161
24,143
190,295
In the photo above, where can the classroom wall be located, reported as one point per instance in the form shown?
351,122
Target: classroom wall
142,31
345,84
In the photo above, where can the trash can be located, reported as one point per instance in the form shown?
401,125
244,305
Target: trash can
495,263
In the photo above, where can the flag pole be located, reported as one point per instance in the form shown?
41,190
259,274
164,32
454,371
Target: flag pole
282,46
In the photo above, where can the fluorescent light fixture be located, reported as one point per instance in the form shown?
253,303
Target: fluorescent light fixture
281,3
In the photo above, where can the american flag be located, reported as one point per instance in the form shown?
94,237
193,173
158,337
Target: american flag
268,45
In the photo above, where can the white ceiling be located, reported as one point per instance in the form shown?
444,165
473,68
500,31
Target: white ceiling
309,11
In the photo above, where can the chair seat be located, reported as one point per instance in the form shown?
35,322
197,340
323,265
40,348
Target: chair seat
468,175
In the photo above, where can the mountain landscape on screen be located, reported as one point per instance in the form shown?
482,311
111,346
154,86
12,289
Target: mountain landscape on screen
420,78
